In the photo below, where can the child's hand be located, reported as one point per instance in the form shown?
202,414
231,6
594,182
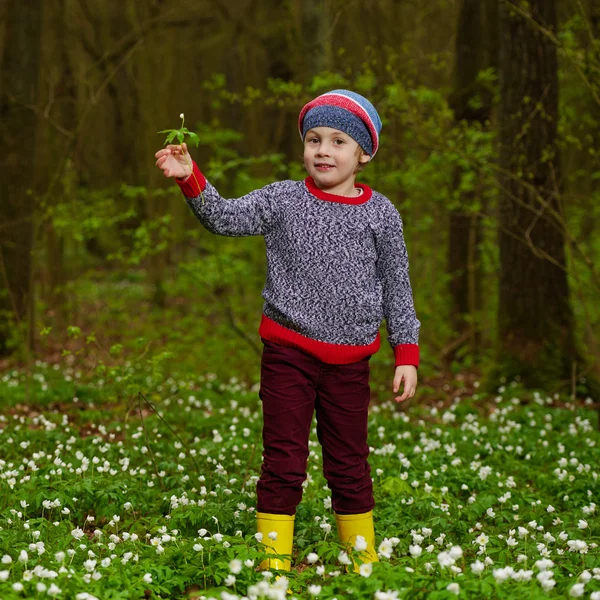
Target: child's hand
174,161
408,374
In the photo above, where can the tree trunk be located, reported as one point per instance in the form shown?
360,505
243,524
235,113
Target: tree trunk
312,38
55,135
18,92
465,221
536,338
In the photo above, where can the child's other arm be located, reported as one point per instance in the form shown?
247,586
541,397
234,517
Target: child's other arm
392,271
251,214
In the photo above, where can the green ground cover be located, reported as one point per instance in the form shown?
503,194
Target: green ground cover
102,497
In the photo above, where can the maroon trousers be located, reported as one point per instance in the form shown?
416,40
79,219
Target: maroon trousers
293,386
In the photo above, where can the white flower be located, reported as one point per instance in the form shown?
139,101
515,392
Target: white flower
198,547
577,590
453,588
366,569
59,556
272,535
482,539
360,544
577,546
258,536
147,578
523,575
326,527
41,587
582,524
445,559
6,559
385,548
501,575
585,577
235,566
550,508
314,590
593,596
477,567
89,565
544,564
54,590
181,116
456,552
18,586
23,556
281,583
312,558
415,551
229,580
343,558
4,575
77,533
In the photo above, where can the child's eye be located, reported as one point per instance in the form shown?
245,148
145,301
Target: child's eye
340,142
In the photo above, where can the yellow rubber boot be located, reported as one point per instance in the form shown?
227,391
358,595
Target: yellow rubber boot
283,526
351,526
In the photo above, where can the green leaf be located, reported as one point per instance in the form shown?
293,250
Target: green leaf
194,138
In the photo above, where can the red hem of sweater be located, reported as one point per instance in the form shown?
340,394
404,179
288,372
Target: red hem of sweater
367,192
193,185
336,354
406,354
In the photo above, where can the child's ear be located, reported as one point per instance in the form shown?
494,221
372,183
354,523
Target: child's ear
364,159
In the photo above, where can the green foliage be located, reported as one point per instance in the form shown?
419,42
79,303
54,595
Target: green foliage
140,480
180,134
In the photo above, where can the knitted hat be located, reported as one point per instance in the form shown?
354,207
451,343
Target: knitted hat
346,111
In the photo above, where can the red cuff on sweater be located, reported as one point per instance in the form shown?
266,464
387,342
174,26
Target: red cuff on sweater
194,185
406,354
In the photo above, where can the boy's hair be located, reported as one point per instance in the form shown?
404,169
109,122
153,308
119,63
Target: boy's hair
361,165
346,111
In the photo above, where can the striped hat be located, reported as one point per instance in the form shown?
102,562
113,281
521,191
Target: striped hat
346,111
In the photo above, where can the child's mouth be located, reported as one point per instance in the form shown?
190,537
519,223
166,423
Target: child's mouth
324,167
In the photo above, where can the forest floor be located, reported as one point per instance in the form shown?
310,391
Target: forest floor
130,483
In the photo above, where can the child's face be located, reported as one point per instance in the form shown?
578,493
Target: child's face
331,158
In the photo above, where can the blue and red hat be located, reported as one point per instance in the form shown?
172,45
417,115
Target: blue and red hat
346,111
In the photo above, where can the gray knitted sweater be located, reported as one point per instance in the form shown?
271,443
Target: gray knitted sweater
336,266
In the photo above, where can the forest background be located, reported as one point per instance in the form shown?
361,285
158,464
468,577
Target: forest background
489,150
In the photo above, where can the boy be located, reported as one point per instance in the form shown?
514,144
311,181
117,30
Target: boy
337,265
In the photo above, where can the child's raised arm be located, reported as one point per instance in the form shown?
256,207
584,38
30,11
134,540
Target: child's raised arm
251,214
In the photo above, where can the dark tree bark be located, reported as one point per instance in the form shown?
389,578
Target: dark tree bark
55,134
18,92
465,222
536,338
